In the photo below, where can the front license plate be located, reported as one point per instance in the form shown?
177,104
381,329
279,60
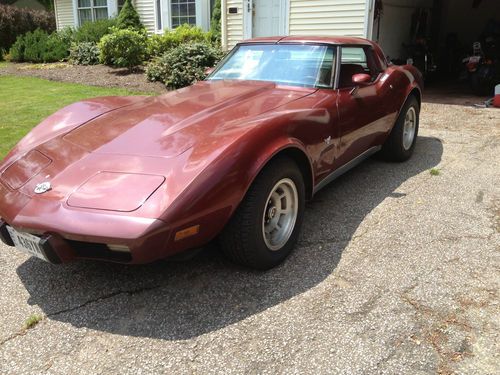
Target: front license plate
27,242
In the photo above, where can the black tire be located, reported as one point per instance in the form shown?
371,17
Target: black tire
393,149
242,240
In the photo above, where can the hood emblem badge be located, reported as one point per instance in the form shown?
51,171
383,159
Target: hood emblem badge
43,188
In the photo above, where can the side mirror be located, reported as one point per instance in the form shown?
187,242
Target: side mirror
361,79
209,71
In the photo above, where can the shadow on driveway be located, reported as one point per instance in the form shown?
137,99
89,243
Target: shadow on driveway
176,301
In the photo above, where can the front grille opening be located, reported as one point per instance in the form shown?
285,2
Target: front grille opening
98,251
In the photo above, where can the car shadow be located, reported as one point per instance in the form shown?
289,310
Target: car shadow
176,301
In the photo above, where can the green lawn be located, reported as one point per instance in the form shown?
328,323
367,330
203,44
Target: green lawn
25,101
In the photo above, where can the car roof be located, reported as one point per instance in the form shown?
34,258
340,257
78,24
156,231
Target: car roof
337,40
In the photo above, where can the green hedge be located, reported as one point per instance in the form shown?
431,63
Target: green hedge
92,32
183,65
39,47
123,48
159,44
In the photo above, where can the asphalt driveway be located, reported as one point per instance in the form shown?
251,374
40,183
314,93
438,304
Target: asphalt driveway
397,272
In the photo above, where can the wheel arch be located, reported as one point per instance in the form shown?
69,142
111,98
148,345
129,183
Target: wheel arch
302,161
417,94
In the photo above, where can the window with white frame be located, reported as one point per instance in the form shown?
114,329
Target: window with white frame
92,10
183,11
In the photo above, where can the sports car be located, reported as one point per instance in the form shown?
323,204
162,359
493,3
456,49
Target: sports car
232,158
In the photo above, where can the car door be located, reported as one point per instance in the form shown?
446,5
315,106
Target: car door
360,107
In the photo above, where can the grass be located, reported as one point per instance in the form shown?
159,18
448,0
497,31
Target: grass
26,101
32,321
435,172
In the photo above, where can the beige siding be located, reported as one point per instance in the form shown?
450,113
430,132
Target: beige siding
146,10
306,17
64,13
327,17
233,24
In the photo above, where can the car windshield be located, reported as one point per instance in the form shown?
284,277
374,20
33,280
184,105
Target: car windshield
303,65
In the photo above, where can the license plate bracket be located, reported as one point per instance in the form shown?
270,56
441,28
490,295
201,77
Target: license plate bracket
28,243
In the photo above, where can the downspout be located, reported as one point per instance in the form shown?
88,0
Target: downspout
55,15
223,26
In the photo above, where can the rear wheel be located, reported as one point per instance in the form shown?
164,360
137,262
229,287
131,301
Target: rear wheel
266,225
401,142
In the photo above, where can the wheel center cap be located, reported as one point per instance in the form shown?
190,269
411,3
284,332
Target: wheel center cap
272,212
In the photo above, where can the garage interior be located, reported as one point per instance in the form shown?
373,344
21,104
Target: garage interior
438,36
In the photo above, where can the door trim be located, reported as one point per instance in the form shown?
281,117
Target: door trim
346,167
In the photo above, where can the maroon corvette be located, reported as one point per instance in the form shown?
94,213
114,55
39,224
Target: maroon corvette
136,179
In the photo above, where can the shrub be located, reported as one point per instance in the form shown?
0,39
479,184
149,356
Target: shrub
93,31
38,46
183,65
67,35
18,21
84,53
123,48
129,18
2,52
56,49
159,44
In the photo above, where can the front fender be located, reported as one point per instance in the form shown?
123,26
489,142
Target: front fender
212,197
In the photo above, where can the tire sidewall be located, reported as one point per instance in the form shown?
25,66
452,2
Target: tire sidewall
411,102
262,254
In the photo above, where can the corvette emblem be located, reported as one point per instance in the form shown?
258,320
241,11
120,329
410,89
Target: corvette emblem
42,188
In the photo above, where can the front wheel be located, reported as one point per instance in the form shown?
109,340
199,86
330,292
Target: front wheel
266,225
400,144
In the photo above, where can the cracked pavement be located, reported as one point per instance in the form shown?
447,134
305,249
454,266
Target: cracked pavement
396,272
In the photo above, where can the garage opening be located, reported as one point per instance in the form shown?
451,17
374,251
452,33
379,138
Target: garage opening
455,43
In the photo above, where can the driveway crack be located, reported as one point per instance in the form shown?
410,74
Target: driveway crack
103,298
24,330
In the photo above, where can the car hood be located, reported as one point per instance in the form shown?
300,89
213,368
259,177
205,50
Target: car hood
168,125
142,145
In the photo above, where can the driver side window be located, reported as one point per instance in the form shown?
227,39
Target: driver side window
356,60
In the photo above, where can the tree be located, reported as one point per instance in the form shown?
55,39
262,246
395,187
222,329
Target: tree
129,18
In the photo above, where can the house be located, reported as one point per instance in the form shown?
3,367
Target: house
156,15
389,22
395,24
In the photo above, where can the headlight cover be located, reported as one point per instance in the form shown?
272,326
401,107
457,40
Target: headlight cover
114,191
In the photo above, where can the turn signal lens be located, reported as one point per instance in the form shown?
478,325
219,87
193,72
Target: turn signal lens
188,232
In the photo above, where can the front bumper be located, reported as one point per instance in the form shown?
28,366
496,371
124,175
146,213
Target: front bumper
58,249
46,243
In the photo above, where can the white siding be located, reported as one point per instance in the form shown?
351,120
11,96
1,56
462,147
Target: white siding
146,10
232,24
64,14
328,17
